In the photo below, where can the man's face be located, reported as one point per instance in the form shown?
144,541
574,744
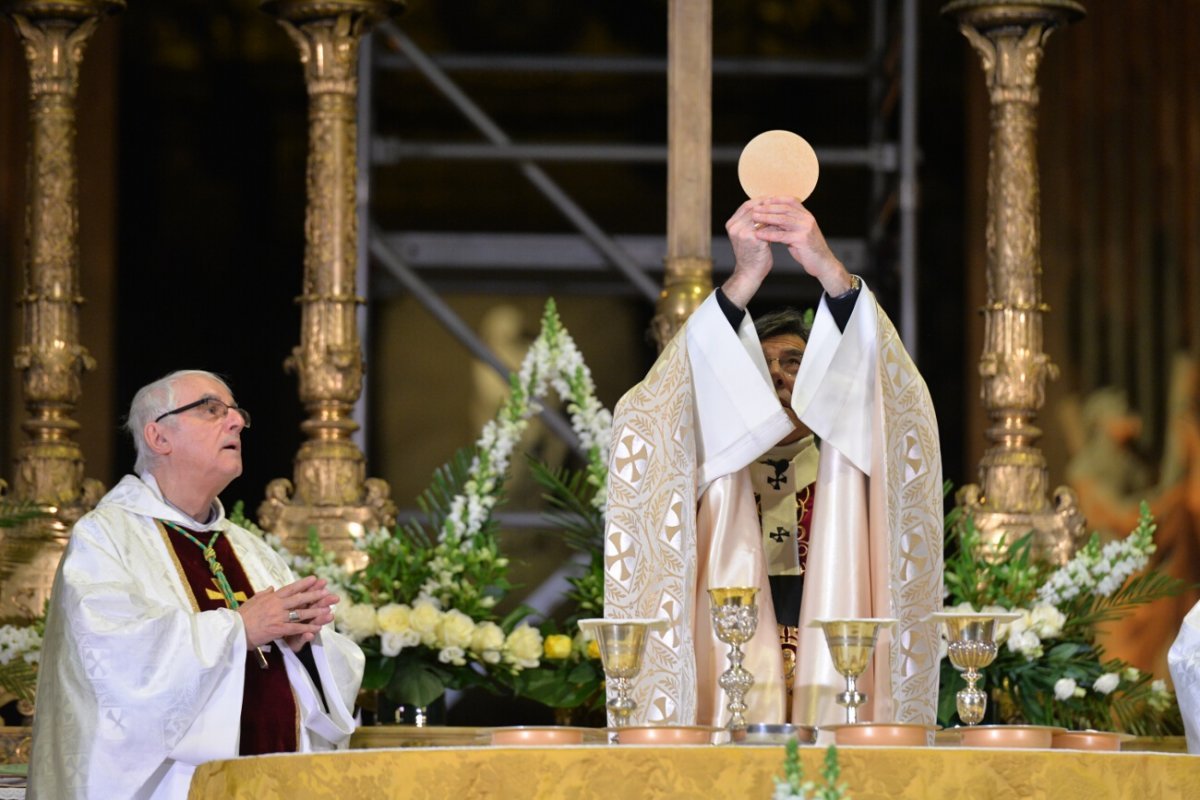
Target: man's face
205,449
783,354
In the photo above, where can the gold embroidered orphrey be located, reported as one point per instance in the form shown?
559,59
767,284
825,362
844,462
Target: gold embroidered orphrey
650,535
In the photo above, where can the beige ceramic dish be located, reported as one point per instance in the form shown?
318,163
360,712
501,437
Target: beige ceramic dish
1027,736
775,734
882,734
666,734
1090,740
537,735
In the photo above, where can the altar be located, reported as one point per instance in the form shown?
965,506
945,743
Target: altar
724,771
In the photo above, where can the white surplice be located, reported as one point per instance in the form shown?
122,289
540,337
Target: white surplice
135,686
1183,659
682,516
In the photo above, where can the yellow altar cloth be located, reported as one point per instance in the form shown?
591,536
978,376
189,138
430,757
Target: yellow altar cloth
608,772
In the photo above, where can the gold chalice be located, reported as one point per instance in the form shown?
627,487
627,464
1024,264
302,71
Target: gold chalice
851,642
735,617
971,646
622,643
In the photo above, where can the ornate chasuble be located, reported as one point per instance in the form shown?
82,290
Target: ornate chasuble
269,721
681,517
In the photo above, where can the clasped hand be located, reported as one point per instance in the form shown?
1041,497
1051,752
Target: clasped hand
759,222
295,613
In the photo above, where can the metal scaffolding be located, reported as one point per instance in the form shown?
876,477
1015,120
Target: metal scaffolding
587,259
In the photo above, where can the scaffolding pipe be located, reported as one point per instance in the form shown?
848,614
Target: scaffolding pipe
535,174
461,331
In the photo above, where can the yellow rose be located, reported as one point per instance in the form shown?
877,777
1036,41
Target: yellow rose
557,646
424,619
356,621
523,647
456,630
593,649
394,618
487,641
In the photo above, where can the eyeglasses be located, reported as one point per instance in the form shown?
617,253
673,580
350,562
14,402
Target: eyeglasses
789,363
214,408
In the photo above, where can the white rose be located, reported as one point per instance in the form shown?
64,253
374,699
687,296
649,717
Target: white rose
1047,621
1064,688
523,647
456,630
1159,686
356,621
1027,644
487,642
452,655
1010,631
394,618
392,642
424,620
1106,682
1132,674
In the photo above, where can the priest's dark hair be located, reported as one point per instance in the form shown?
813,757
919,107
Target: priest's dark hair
781,323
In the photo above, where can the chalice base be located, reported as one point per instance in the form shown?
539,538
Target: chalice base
971,704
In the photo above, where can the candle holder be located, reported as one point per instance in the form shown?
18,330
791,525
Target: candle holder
735,618
851,643
622,643
971,646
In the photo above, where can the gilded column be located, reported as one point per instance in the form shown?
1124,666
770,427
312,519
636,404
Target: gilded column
330,494
688,274
1011,499
50,464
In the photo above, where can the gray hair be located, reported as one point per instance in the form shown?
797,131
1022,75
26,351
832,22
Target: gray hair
151,401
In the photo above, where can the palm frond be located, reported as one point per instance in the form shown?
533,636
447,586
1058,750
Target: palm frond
18,678
447,482
1089,610
570,494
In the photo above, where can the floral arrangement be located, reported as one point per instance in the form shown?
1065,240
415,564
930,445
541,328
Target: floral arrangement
423,607
570,676
20,645
20,652
792,785
1049,669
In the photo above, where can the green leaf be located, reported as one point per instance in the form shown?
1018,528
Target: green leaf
416,682
377,672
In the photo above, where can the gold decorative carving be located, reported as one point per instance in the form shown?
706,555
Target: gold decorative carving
688,280
49,464
1012,498
329,493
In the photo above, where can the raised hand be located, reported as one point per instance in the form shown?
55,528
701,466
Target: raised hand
787,221
752,255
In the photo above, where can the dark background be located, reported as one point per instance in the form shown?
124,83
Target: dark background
212,136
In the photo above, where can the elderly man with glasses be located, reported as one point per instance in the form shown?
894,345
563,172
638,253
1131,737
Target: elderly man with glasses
717,480
175,637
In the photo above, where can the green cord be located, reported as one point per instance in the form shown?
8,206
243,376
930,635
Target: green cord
210,555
